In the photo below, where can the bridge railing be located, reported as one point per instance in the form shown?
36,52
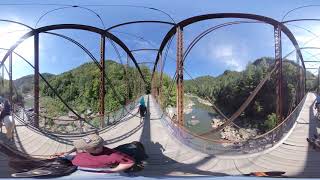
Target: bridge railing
273,136
117,115
78,126
224,147
197,142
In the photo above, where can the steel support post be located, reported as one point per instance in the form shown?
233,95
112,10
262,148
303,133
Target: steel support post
305,81
278,59
158,83
127,80
298,79
36,80
140,85
10,82
2,78
135,85
152,85
180,93
301,82
102,80
160,79
299,89
155,83
318,81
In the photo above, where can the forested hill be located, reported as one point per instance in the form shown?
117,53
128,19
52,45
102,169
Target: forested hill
80,86
230,89
209,85
23,85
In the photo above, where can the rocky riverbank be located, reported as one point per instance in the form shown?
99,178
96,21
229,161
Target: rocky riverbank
229,133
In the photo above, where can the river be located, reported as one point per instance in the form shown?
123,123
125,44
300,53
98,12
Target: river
202,112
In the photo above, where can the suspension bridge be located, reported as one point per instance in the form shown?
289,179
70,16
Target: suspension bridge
173,149
172,153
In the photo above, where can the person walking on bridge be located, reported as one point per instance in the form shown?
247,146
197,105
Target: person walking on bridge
142,108
317,106
317,101
5,111
7,120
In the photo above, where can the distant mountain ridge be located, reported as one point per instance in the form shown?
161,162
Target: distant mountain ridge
25,83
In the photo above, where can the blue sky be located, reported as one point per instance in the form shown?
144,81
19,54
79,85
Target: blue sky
232,47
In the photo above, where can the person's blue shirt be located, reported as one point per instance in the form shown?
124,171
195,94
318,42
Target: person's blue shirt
6,108
318,99
142,102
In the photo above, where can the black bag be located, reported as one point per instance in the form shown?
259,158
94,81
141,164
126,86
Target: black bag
135,150
55,168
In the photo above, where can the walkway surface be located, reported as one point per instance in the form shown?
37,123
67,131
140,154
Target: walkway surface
169,157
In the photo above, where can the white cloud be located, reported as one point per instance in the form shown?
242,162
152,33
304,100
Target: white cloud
233,56
140,43
308,39
222,51
53,59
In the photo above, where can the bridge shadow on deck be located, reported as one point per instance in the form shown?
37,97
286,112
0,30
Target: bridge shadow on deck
17,144
17,159
158,164
19,147
312,162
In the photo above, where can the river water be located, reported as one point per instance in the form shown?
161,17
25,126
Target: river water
202,112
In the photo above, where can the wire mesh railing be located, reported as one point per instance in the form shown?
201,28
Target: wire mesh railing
76,127
273,136
224,147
